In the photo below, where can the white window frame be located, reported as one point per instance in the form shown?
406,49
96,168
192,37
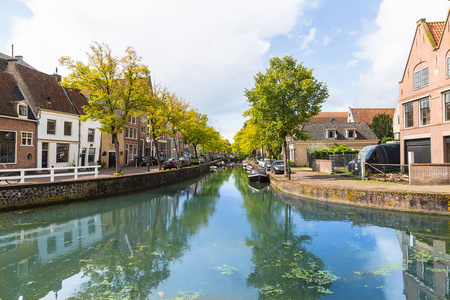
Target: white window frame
448,66
51,121
420,80
329,131
28,137
347,135
421,102
25,110
446,94
91,135
68,123
404,114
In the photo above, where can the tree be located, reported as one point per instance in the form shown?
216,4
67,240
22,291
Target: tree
194,129
382,126
114,86
284,97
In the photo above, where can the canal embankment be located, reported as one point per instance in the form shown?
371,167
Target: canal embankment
36,194
384,195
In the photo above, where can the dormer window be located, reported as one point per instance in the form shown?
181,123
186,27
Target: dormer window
421,78
350,133
330,134
23,111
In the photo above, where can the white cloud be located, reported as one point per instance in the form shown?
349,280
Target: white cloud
387,48
351,63
326,40
310,38
204,51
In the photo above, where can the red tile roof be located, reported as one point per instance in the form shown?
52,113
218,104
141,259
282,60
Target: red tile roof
328,116
46,91
367,114
77,99
436,29
9,92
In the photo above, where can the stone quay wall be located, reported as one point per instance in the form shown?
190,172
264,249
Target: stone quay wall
38,194
402,201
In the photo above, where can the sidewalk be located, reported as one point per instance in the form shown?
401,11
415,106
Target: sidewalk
103,172
307,176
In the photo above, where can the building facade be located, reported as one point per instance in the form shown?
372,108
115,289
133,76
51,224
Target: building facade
424,95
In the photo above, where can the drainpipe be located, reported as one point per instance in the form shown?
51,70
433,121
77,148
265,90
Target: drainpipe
79,142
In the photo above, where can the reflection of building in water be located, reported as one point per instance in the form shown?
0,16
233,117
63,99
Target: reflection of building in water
426,272
34,261
25,251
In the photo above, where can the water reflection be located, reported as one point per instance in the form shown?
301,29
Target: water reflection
219,238
124,252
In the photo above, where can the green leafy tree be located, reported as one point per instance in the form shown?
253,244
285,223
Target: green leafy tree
195,129
382,126
114,87
284,97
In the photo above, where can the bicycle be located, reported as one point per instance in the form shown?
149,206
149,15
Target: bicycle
5,175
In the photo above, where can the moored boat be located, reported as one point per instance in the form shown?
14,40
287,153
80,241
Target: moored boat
258,175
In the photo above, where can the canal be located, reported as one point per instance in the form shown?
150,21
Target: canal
218,238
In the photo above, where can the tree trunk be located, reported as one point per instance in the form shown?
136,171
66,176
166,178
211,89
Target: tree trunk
157,152
285,158
116,148
195,150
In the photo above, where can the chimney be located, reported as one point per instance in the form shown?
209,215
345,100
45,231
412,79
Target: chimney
57,77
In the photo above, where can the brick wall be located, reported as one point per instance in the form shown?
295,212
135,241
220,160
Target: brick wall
430,174
17,126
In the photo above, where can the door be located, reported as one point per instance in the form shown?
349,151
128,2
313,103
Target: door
421,149
111,159
44,156
83,157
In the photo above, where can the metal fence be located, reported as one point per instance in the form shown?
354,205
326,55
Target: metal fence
339,162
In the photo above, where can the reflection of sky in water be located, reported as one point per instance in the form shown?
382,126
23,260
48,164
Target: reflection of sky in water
348,245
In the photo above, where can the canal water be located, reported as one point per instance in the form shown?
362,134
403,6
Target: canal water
219,238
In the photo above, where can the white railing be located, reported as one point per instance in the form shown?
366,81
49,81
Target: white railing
48,172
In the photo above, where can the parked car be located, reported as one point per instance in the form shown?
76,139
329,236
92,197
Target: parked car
202,160
278,167
378,154
154,161
171,163
268,164
195,160
185,162
142,161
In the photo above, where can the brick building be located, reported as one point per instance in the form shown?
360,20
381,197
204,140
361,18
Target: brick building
424,95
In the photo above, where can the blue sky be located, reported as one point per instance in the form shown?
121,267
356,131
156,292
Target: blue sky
207,51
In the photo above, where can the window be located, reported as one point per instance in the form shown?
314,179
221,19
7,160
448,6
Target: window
23,110
51,126
425,111
67,128
27,139
331,134
51,244
421,78
408,108
448,66
91,135
447,106
135,133
350,134
7,147
68,238
91,155
131,119
62,153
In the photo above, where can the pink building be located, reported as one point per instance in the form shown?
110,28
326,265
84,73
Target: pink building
424,95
